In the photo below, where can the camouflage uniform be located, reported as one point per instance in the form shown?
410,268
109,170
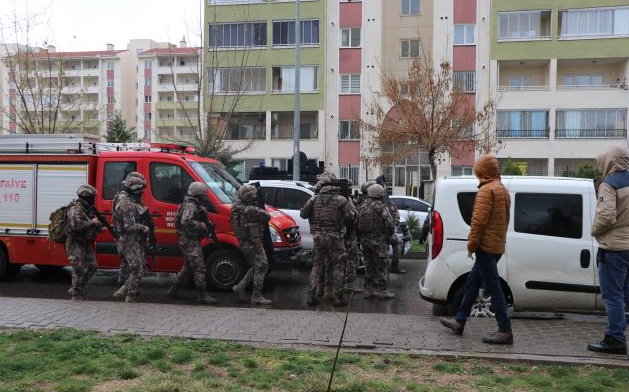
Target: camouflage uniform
375,226
192,229
328,213
81,232
132,241
396,243
249,223
351,260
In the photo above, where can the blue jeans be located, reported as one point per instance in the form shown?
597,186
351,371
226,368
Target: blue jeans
485,274
613,273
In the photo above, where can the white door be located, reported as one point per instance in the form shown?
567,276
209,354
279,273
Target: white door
550,264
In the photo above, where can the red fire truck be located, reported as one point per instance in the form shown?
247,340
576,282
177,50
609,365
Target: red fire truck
40,173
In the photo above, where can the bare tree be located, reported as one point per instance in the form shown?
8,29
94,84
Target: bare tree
226,77
427,110
42,98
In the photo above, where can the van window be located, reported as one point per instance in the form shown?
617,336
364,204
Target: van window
114,174
466,205
292,199
555,215
222,183
269,195
169,183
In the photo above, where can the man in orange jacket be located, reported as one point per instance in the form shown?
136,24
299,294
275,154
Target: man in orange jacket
487,238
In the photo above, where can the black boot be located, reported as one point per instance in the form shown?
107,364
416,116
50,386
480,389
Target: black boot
339,300
312,297
609,345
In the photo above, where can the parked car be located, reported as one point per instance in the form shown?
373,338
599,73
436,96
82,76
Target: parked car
290,196
411,205
549,259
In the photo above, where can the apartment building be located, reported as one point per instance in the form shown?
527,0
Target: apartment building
86,84
168,93
249,61
558,71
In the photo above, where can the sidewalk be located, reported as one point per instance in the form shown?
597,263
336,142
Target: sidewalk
535,340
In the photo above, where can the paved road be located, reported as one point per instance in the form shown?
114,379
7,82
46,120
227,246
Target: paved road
287,288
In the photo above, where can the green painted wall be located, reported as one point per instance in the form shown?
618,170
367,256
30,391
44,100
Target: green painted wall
555,48
268,57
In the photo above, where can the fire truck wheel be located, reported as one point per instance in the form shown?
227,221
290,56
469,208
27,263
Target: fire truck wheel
7,270
224,269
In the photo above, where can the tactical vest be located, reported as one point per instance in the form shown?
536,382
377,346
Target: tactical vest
241,226
325,213
370,221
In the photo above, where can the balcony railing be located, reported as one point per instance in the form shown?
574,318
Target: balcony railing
590,133
522,134
246,133
309,132
586,86
523,88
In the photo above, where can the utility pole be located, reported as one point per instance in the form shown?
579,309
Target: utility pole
297,113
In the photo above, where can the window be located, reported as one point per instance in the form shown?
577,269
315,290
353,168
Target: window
591,123
349,130
593,22
244,167
520,81
111,99
464,34
237,35
522,124
280,163
269,196
114,174
291,199
410,48
350,84
284,79
246,126
466,205
227,2
349,172
387,172
110,65
400,176
462,170
148,81
238,80
110,83
148,98
350,38
465,80
148,116
282,125
284,33
169,182
583,80
148,64
554,215
410,7
524,25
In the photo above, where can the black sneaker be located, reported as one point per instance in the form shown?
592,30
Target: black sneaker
498,338
609,345
454,325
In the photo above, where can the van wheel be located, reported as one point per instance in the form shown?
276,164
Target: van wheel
224,268
8,271
482,307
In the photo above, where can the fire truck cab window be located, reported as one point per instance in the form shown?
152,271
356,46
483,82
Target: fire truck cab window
114,174
169,183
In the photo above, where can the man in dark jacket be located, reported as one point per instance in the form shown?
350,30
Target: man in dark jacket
487,238
611,230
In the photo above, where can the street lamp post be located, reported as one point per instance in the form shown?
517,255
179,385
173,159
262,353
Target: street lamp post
297,114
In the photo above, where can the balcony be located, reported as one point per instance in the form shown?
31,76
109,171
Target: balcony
529,75
590,133
522,134
592,74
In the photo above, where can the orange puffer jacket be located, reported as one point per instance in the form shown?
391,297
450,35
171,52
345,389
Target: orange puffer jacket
490,216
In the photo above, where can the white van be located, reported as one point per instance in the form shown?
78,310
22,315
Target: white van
549,262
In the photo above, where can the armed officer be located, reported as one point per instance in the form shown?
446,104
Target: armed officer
192,228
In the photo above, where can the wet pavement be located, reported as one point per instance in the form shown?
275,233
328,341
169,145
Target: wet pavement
287,289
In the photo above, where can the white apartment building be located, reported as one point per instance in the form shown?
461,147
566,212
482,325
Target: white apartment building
167,95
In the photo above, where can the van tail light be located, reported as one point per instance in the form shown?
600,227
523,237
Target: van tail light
437,235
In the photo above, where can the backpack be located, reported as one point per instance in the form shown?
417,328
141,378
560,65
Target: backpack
57,226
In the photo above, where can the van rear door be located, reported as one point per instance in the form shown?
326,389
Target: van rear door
549,247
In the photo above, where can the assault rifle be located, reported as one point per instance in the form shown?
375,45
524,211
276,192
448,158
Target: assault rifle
267,242
147,220
92,212
211,228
